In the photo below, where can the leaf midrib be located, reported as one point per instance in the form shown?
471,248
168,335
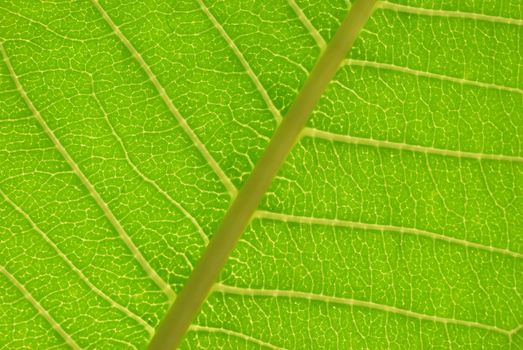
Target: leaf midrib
198,285
378,141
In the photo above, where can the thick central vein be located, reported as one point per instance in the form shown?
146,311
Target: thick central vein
199,284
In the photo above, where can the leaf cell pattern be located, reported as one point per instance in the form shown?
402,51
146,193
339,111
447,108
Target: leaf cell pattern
126,129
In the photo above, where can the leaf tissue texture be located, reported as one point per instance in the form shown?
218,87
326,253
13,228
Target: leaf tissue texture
127,127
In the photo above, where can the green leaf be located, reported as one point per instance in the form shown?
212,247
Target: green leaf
126,129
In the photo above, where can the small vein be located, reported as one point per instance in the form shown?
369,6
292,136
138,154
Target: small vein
261,89
321,44
41,310
355,140
148,180
404,230
198,328
164,286
200,282
326,135
229,186
219,287
512,333
79,272
411,71
318,38
516,329
446,13
45,26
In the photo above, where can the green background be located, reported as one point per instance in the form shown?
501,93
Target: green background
395,223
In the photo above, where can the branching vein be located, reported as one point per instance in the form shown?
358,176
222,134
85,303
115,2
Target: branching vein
168,102
263,92
41,310
79,272
198,328
315,133
150,181
199,283
164,286
404,230
347,301
420,73
447,13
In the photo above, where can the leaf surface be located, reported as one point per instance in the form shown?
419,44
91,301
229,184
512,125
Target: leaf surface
126,128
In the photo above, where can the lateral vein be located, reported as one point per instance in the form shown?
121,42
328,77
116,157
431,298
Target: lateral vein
41,310
73,267
198,328
516,329
261,89
229,186
348,301
406,70
164,286
447,13
318,38
327,135
321,44
378,227
150,181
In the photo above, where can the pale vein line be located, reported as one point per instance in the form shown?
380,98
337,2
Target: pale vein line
45,26
261,89
411,71
79,272
512,333
353,302
239,214
324,134
90,188
166,99
321,43
356,140
353,224
198,328
447,13
318,38
41,310
517,329
315,133
145,178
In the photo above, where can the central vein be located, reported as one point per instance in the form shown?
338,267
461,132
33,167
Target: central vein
201,280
